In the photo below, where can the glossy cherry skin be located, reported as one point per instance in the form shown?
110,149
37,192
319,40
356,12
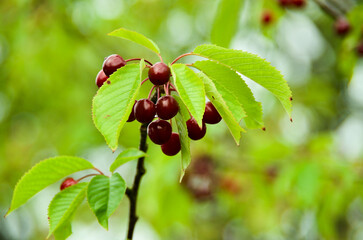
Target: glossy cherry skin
132,114
159,131
342,26
167,107
194,131
211,115
172,147
144,110
101,78
159,73
67,183
112,63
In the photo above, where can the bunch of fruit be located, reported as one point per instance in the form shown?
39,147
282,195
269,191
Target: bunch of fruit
165,107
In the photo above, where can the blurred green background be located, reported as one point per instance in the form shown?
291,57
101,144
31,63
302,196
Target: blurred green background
300,180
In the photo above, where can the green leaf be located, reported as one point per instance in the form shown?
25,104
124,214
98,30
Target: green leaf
126,156
191,90
63,206
63,231
136,38
181,118
113,103
44,174
226,22
104,195
226,106
232,81
251,66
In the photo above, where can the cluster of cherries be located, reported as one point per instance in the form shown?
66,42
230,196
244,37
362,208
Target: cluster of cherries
165,108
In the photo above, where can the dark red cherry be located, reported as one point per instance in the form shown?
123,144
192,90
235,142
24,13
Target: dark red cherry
167,107
159,131
285,3
132,113
342,26
194,131
211,115
144,110
171,147
67,183
112,63
159,73
298,3
267,17
360,49
101,78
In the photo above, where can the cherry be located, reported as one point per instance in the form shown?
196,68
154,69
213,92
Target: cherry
67,183
342,26
172,147
298,3
194,131
267,17
211,115
132,114
159,131
159,73
144,110
360,49
112,63
285,3
167,107
101,78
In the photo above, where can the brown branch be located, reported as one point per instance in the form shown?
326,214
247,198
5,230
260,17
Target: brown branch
329,9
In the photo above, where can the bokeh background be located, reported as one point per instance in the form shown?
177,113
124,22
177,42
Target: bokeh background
300,180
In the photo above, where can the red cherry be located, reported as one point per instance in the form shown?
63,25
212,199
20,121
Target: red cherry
194,131
159,131
101,78
167,107
285,3
172,147
132,114
67,183
267,17
159,73
211,115
144,110
342,26
298,3
112,63
360,49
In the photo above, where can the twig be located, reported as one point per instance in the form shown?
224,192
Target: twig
139,59
329,9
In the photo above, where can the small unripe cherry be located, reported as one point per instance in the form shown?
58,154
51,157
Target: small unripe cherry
101,78
132,113
342,26
194,131
167,107
267,17
172,147
211,115
67,183
112,63
159,131
159,73
144,110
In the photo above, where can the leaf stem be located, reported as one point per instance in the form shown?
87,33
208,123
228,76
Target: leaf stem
138,59
181,56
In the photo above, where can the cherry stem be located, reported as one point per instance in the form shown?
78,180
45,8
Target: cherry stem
181,56
161,59
158,92
151,90
98,171
138,59
89,175
166,88
143,81
174,88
